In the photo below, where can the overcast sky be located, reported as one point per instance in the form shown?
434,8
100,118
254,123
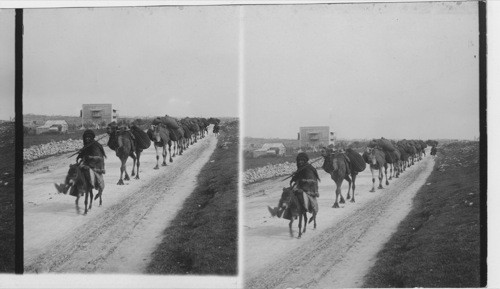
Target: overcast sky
181,61
398,70
7,63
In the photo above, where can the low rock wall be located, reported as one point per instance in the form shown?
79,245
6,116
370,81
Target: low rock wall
54,148
271,171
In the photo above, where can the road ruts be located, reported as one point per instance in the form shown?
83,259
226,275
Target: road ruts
325,261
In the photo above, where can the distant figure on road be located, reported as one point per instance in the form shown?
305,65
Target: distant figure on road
216,129
433,150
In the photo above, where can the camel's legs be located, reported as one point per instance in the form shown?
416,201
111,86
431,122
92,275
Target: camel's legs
76,203
134,158
86,202
305,222
348,179
138,164
380,177
300,226
373,179
386,180
122,170
170,151
337,194
353,187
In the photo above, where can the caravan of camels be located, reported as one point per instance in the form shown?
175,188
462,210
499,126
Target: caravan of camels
388,157
126,141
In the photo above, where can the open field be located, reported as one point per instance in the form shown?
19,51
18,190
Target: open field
438,243
203,238
7,197
32,140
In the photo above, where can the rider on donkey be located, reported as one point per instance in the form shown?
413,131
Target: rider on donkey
91,159
305,184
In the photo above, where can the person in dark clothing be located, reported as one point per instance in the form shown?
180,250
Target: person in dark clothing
216,129
433,150
305,183
306,177
92,154
305,180
90,159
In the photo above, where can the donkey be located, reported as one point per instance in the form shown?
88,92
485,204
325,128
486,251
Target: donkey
80,180
291,204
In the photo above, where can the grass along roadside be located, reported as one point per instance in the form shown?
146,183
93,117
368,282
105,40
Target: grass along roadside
203,237
438,243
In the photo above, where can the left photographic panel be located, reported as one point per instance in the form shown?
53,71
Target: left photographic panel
131,144
7,141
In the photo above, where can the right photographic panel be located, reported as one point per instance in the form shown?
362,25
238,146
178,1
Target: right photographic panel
361,160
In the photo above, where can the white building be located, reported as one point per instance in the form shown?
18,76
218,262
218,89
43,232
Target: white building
278,149
316,136
99,114
60,126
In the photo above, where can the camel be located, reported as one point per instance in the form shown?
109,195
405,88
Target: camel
193,126
393,158
376,159
176,137
338,167
403,160
123,143
160,137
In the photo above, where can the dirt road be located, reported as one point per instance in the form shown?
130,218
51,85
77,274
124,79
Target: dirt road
120,235
343,247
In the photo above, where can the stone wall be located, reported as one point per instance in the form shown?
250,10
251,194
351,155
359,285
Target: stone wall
272,171
54,148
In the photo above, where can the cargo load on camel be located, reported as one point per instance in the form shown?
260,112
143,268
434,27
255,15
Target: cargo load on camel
357,162
167,121
391,157
142,139
383,143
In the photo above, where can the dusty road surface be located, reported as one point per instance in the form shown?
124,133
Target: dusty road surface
343,247
116,237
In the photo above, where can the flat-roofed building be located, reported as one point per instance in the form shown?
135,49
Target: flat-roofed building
99,114
315,136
